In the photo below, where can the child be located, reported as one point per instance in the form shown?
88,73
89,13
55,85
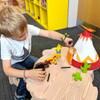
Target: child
16,48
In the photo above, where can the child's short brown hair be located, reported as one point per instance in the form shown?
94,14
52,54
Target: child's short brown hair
11,20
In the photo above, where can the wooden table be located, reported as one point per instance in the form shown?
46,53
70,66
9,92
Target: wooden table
61,85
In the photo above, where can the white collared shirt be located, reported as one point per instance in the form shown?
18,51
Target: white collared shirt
17,51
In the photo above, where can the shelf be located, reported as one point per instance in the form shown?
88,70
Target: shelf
37,2
43,8
32,8
51,14
37,12
28,13
44,26
32,1
27,6
44,17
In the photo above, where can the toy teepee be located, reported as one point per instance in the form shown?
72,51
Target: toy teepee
86,51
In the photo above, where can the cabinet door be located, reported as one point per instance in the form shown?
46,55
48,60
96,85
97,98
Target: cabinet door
89,11
57,11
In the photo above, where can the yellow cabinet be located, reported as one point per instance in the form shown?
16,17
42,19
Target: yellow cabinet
51,14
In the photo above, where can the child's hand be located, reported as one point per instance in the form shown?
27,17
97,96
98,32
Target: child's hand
37,74
68,42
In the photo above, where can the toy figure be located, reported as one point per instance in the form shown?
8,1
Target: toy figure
70,53
57,55
42,65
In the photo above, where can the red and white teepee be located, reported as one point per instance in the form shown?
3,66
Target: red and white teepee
86,51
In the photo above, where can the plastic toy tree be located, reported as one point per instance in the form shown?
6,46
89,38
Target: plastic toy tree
85,67
77,76
66,35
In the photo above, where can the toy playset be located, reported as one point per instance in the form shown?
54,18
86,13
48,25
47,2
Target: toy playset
68,77
86,51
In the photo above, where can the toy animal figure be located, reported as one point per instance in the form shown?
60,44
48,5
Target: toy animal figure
57,55
42,65
70,53
58,51
58,48
51,60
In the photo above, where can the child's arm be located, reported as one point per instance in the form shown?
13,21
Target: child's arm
35,74
56,36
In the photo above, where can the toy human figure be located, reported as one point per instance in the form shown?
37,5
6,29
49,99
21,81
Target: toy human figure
16,48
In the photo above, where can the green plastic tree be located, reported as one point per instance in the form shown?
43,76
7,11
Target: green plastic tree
85,67
77,76
66,35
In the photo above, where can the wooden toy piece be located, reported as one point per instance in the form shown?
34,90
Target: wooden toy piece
48,77
65,67
70,53
77,76
60,84
85,67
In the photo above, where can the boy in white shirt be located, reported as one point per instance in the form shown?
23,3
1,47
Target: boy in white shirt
16,48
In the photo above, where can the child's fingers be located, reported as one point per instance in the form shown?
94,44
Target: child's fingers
41,77
40,71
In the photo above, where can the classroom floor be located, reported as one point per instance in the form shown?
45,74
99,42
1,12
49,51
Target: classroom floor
19,8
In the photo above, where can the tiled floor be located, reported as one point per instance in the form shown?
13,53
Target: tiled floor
19,8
